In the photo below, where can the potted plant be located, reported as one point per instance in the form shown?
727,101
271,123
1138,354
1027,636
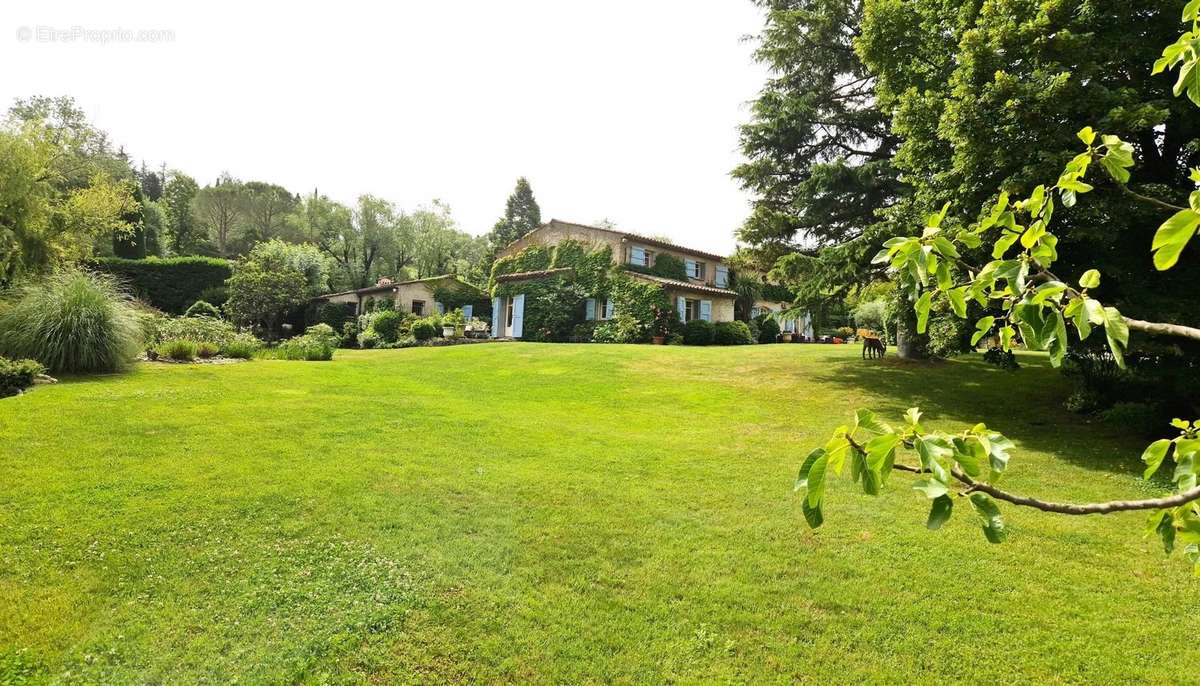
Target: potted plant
786,336
453,324
664,318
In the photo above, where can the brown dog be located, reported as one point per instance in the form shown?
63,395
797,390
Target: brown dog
873,347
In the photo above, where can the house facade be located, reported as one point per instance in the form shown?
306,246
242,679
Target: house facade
704,294
416,296
801,325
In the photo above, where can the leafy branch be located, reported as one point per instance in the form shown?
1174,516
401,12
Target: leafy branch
1035,305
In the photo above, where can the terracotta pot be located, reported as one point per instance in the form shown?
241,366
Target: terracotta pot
787,337
658,340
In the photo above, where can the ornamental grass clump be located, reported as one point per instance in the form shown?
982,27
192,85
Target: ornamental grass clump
181,350
242,346
72,321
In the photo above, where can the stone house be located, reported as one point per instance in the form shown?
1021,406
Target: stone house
418,296
704,294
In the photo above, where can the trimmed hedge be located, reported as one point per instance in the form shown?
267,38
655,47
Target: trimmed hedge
171,284
732,333
698,332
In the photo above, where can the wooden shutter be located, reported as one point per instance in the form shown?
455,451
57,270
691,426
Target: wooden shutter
468,310
518,324
681,305
496,323
608,309
637,255
691,267
706,310
590,310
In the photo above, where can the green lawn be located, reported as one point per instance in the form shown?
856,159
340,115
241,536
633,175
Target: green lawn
557,514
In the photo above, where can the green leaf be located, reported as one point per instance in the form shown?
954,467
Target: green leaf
812,515
998,448
1172,237
1117,332
931,448
958,301
932,488
945,247
1003,243
806,467
982,327
878,447
1094,310
1036,200
867,421
970,455
913,416
935,220
1032,324
1058,345
1048,291
1087,135
816,481
1078,314
1090,279
942,272
1153,456
939,512
993,524
922,307
1166,531
1006,337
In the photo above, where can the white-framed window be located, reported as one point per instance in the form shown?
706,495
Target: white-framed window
695,269
640,256
721,279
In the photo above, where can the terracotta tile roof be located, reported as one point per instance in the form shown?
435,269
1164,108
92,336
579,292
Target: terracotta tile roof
635,237
684,285
392,286
540,273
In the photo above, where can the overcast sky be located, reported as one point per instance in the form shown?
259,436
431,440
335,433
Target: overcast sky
622,110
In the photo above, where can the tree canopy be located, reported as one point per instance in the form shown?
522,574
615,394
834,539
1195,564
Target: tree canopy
521,215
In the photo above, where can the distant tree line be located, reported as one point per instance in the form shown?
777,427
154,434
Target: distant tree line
70,194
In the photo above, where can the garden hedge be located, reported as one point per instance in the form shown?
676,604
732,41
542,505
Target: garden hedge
170,284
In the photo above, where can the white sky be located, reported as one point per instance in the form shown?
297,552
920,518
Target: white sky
618,109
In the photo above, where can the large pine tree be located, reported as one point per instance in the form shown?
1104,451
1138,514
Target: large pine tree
521,215
818,149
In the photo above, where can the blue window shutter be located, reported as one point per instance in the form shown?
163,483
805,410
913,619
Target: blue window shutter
496,324
468,310
706,310
608,309
681,305
691,267
441,309
518,325
590,311
637,255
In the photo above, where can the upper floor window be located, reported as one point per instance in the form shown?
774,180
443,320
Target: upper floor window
640,256
721,280
695,269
